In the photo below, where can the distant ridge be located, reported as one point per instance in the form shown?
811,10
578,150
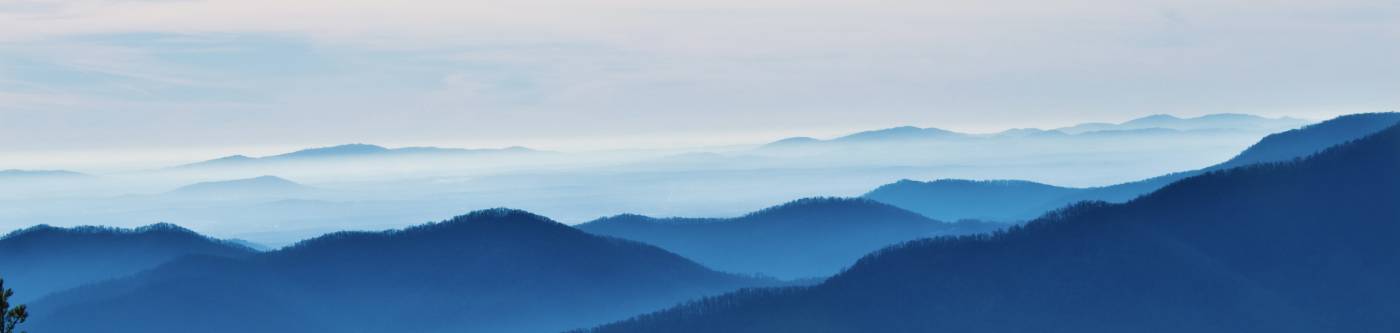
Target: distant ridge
1155,124
1207,122
354,150
900,133
257,186
806,238
1024,200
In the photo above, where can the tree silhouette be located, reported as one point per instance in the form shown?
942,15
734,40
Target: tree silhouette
9,318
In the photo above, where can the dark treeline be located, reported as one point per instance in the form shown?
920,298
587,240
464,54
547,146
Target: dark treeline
1299,246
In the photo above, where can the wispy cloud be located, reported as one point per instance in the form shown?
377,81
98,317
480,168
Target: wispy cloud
476,71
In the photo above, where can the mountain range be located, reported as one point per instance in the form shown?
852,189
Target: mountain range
1155,124
1222,121
806,238
44,259
496,270
1295,246
1015,200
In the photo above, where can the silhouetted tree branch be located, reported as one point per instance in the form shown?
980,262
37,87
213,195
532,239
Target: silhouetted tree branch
9,318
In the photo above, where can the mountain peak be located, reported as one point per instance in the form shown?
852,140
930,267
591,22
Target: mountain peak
504,224
817,205
793,141
163,227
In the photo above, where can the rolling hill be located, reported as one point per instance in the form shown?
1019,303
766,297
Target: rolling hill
496,270
806,238
1297,246
44,259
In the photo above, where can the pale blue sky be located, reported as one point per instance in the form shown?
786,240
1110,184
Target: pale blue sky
223,74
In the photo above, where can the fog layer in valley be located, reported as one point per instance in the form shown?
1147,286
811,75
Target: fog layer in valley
279,199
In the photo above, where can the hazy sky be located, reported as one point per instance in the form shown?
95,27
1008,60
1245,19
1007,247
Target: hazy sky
83,75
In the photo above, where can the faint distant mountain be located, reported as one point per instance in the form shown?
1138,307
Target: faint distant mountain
901,133
1305,246
1023,200
804,238
348,151
489,271
43,259
794,142
1224,121
17,174
1029,133
1130,132
250,187
1151,125
354,149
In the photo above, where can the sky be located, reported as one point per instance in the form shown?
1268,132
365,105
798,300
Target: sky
96,77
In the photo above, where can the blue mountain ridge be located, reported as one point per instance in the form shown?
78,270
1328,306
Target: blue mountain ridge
1016,200
1303,245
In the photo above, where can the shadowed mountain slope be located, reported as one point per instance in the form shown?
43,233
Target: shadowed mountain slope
1023,200
805,238
489,271
44,259
1301,246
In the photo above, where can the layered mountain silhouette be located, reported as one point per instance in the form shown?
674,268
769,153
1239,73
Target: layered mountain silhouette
806,238
348,151
1023,200
1295,246
44,259
496,270
1155,124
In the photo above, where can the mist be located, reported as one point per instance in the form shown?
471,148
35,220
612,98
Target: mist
275,200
